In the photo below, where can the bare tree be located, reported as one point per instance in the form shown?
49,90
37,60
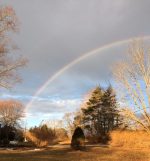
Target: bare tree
132,76
78,118
9,62
11,112
54,124
68,120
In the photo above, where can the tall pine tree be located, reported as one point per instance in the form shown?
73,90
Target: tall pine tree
91,111
109,111
101,114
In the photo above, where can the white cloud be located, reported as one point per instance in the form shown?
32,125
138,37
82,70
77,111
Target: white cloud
50,109
52,106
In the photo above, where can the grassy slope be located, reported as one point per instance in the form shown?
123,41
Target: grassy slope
66,154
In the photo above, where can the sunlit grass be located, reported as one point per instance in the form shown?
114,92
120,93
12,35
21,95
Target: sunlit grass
125,146
66,154
130,139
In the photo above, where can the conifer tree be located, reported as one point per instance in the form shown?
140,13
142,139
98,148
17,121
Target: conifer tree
91,111
109,110
78,139
101,114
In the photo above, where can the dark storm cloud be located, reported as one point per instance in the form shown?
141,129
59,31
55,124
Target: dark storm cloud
52,33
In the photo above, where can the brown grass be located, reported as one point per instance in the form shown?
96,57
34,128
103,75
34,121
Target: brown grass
67,154
125,146
130,139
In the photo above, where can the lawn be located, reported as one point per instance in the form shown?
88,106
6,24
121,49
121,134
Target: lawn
66,154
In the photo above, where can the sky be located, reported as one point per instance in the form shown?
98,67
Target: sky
53,33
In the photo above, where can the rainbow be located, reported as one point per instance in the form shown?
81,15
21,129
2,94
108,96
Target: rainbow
82,57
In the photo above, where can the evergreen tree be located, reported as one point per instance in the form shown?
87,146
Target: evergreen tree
91,112
101,114
109,111
78,139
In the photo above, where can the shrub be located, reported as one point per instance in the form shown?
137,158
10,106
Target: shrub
78,139
102,138
7,134
41,136
35,140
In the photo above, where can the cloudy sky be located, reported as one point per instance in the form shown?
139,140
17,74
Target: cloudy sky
54,33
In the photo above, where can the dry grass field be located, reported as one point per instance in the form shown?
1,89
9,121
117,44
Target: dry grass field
125,146
130,139
66,154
